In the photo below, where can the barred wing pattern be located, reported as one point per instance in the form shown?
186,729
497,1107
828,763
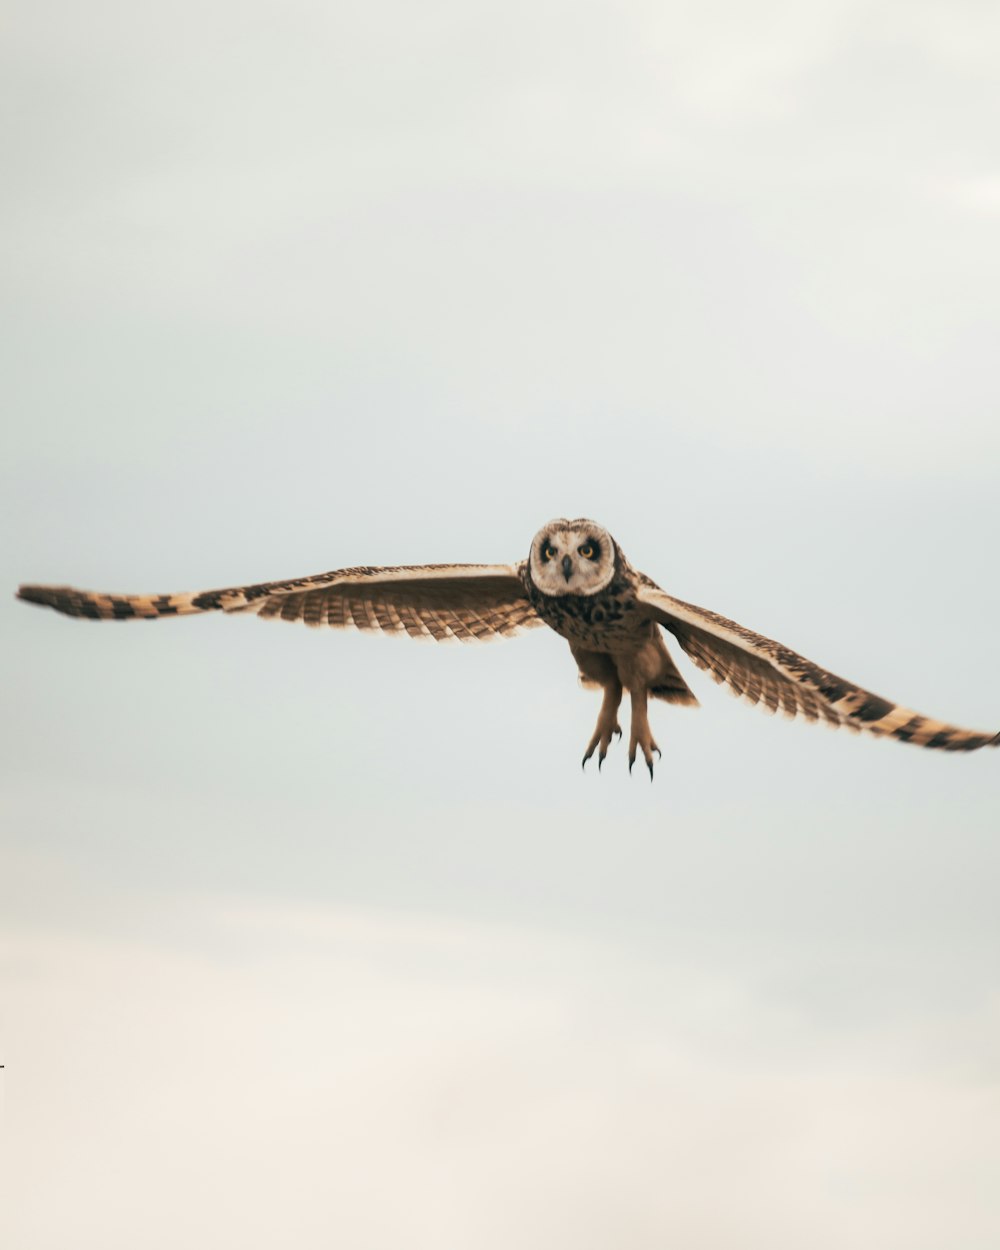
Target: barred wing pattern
467,602
766,673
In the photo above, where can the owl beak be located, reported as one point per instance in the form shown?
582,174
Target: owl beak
567,567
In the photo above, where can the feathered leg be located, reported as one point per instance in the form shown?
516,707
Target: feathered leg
607,723
598,669
641,736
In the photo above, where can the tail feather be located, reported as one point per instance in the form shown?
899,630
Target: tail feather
673,694
670,686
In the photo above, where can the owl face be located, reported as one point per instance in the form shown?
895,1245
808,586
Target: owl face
572,558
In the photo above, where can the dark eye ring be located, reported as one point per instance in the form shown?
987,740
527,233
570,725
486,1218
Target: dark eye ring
548,552
588,551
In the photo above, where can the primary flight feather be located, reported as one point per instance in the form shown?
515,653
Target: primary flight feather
577,581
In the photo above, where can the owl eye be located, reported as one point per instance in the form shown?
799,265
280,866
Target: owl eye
548,552
588,551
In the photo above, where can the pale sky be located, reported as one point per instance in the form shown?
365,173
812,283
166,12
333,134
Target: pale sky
322,939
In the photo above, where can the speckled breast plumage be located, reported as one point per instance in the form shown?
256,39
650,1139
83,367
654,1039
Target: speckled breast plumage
605,621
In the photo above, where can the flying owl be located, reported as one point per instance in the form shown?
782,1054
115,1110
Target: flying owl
577,581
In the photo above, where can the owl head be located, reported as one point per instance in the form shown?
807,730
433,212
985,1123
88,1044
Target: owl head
572,558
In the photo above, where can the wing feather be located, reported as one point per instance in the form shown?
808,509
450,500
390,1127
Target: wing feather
443,601
765,672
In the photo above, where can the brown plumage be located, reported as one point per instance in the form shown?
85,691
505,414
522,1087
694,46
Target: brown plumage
577,581
440,601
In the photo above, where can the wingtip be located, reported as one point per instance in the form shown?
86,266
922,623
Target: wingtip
60,598
33,594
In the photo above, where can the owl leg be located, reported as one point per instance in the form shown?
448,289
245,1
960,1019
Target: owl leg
607,723
597,669
641,737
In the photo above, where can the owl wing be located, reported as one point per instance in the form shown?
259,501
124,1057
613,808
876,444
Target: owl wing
767,673
441,601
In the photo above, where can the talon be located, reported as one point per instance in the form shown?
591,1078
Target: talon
607,727
642,739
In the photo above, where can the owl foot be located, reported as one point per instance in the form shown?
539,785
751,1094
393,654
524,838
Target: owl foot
602,738
648,746
641,737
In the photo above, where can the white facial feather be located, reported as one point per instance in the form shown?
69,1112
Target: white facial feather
572,558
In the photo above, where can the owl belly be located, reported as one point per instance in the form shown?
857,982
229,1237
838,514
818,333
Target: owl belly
603,622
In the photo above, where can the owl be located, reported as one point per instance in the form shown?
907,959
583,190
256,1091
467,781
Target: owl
577,581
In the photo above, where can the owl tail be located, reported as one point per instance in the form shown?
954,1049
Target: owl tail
670,686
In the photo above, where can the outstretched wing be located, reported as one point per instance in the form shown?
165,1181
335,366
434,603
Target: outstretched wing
442,601
764,672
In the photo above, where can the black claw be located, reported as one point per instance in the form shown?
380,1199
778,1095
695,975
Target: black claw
630,763
658,752
649,765
618,732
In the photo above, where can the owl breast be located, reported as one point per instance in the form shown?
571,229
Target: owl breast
606,621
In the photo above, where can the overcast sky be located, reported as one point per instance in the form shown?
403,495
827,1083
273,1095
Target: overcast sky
321,939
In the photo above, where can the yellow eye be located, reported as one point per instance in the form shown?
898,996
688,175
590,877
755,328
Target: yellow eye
548,553
587,551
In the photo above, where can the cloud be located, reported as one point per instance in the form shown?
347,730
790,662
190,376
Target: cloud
342,1076
980,196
